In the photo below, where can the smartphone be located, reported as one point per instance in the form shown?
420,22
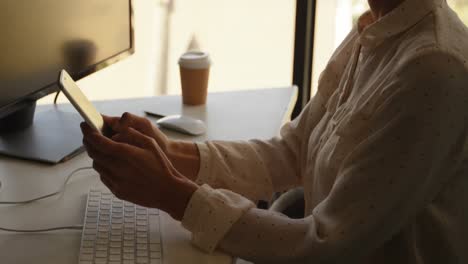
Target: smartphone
80,102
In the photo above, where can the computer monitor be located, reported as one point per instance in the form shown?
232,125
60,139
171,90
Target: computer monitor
37,40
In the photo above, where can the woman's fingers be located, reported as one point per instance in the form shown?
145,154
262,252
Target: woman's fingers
141,124
134,137
111,121
109,147
102,169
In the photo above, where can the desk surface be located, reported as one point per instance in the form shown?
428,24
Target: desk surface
229,116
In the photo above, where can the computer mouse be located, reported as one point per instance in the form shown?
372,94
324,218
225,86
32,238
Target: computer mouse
183,124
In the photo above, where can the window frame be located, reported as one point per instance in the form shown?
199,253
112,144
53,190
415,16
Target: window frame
303,52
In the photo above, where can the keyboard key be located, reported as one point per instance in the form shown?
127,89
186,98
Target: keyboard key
142,235
130,250
117,216
89,237
130,220
105,212
114,244
101,254
116,238
91,220
90,231
104,218
115,257
155,255
91,226
93,209
142,260
117,220
129,225
101,224
155,247
117,206
128,243
153,211
129,231
100,261
102,241
103,229
141,240
87,251
106,196
115,233
128,256
142,228
102,234
142,253
142,217
116,228
129,237
115,251
141,214
129,261
87,244
129,212
154,237
142,246
155,261
92,214
85,262
101,247
86,257
94,197
141,222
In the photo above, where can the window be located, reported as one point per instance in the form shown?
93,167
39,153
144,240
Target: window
251,42
334,20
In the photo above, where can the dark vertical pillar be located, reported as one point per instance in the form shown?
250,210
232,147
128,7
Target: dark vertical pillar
303,51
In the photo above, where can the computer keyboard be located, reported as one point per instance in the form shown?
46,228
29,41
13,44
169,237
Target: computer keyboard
119,232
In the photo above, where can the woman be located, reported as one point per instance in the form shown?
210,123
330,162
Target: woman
380,152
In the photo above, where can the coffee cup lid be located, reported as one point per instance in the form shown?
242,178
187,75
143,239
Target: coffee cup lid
195,60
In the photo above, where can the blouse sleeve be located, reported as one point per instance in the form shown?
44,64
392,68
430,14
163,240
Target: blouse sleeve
415,144
258,168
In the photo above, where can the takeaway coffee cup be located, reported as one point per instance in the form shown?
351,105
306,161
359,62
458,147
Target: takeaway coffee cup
194,75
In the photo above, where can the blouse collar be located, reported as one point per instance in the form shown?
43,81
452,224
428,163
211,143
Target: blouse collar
407,14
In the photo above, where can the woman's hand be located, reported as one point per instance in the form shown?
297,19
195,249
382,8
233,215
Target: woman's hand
141,124
135,168
183,155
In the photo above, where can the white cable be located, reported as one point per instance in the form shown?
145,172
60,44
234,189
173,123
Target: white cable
62,189
48,195
76,227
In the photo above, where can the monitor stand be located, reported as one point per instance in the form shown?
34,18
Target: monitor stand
53,137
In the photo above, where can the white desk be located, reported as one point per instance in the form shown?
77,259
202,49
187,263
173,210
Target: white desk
229,116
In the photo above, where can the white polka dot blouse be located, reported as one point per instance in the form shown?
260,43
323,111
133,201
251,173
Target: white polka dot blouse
381,152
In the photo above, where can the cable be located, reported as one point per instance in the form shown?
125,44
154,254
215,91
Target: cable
48,195
56,97
76,227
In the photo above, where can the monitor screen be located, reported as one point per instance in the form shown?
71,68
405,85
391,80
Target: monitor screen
38,38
